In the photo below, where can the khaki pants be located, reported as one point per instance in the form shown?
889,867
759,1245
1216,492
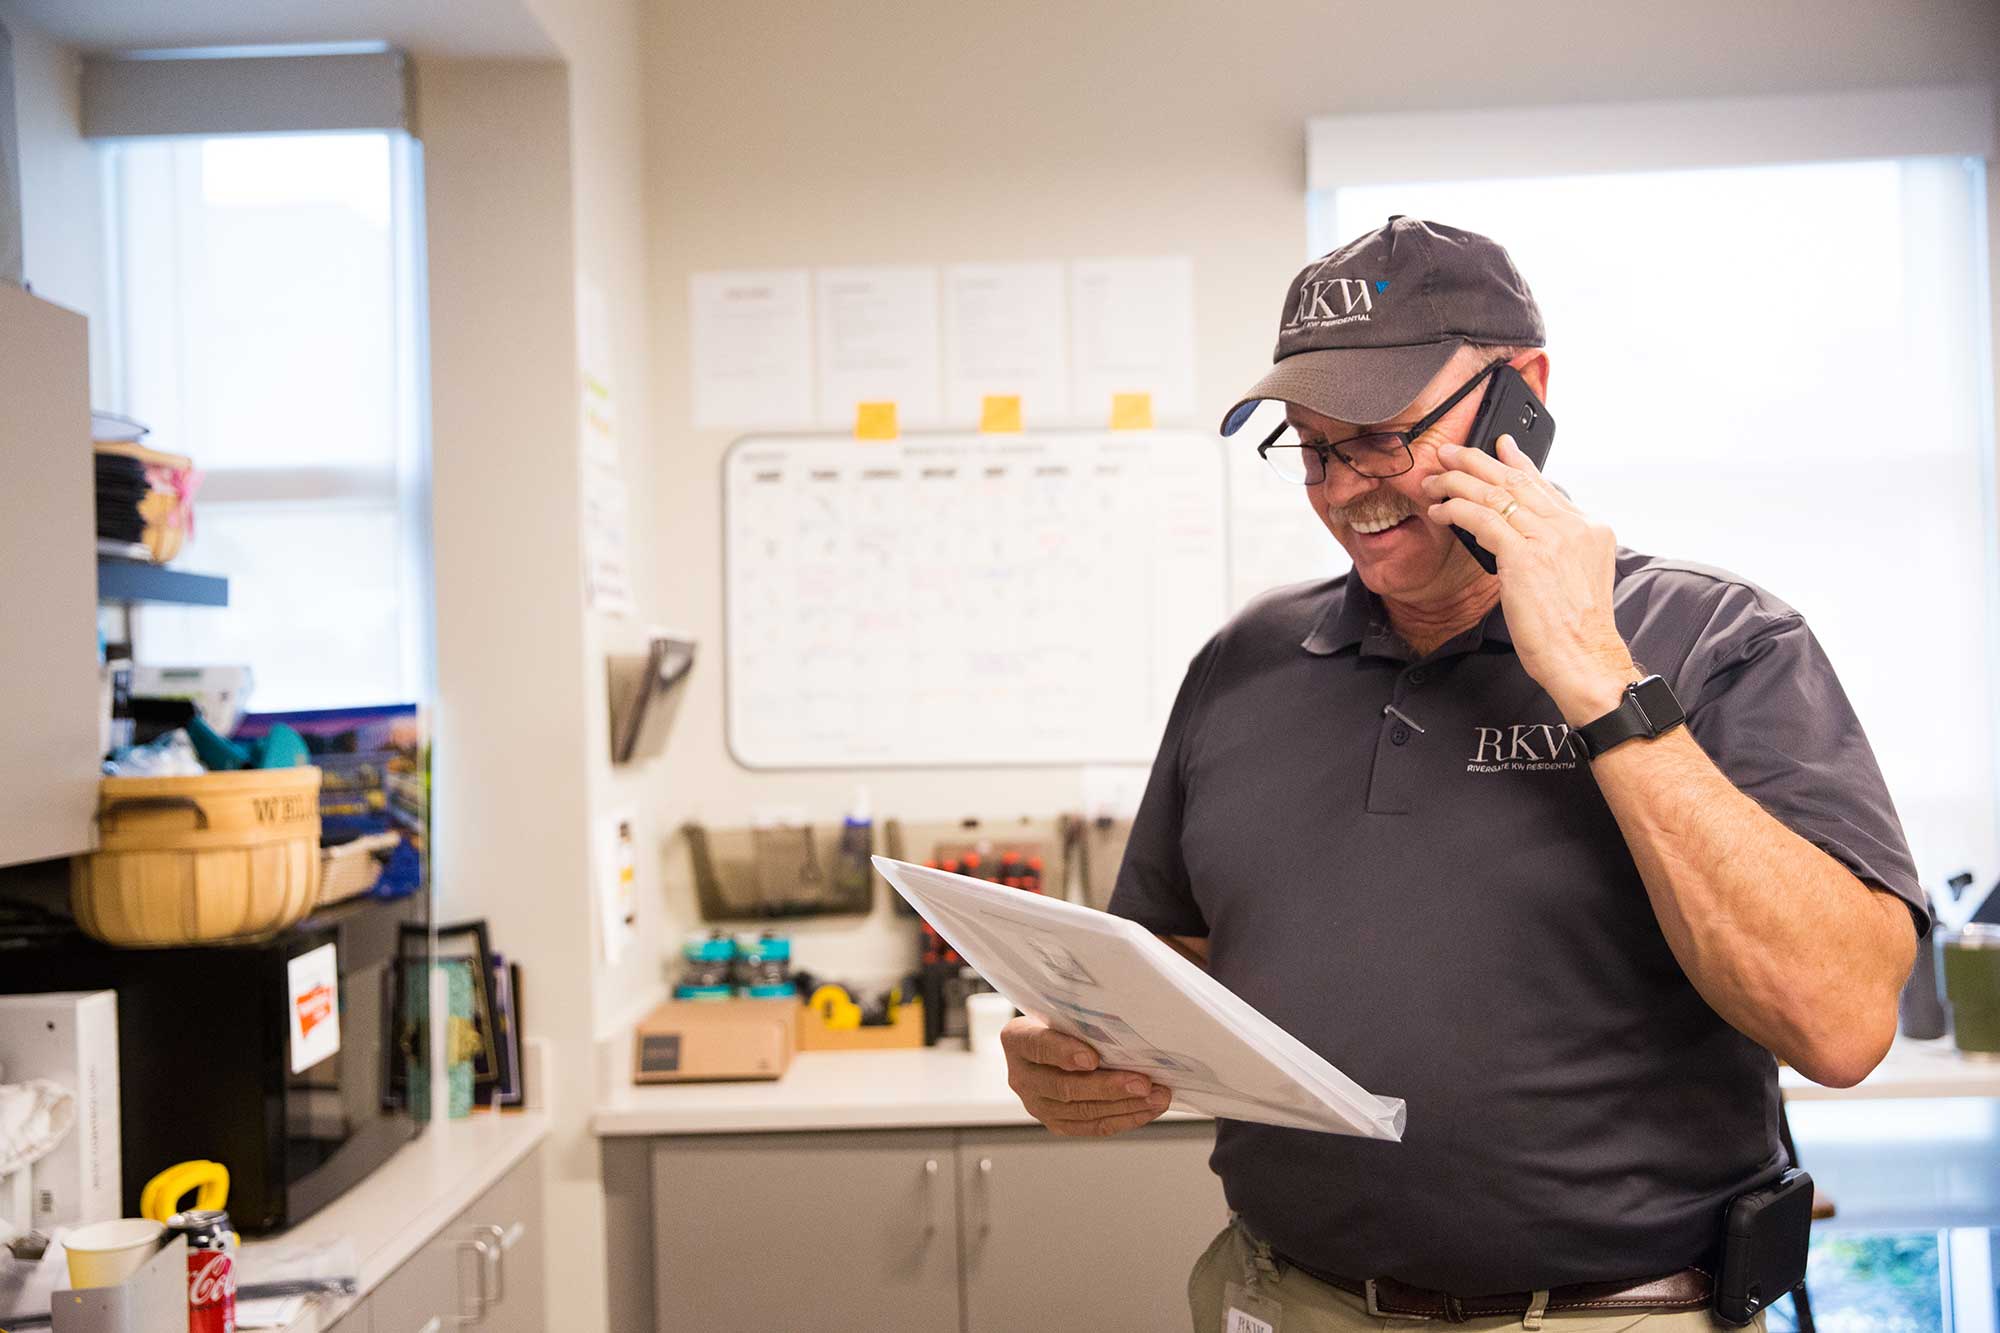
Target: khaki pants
1311,1306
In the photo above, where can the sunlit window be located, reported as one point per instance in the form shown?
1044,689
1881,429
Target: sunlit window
268,325
1778,370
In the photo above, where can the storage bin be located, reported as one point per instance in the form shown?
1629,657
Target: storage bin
787,870
1099,847
906,1033
924,841
351,869
208,859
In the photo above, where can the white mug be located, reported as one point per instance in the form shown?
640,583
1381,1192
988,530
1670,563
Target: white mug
985,1014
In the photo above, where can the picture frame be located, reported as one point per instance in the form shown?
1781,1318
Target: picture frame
407,1009
470,942
510,1093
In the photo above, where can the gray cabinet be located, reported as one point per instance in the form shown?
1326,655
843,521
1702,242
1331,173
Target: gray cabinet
483,1270
982,1231
425,1289
48,581
832,1232
1094,1234
507,1219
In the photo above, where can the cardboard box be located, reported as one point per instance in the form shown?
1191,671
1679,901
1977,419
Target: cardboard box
71,1038
690,1040
906,1033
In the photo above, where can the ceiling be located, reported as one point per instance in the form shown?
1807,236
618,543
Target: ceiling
465,28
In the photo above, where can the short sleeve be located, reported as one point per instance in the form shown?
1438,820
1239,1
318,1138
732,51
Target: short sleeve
1770,712
1153,887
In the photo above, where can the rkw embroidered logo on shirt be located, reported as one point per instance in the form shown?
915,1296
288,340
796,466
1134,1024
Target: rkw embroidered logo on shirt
1523,747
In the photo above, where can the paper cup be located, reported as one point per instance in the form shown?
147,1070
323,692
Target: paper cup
104,1254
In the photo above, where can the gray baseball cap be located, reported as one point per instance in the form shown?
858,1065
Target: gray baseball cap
1366,327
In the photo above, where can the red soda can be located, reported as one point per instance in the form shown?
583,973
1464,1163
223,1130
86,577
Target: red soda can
211,1269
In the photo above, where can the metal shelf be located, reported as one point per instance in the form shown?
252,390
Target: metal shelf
123,582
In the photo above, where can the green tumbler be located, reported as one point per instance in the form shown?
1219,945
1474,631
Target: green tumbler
1972,984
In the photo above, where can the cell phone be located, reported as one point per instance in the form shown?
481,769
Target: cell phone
1763,1247
1510,407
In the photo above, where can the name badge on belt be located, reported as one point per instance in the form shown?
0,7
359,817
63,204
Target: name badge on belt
1247,1310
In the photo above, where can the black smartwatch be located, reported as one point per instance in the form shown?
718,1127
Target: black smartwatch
1648,710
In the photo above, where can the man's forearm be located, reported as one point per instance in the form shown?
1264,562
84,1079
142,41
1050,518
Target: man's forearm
1780,939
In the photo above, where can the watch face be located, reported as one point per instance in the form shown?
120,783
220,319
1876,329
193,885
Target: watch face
1656,698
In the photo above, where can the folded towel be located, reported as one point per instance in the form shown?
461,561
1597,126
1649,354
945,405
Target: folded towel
34,1116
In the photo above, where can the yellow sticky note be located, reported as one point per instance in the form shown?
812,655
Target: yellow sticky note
1000,412
1131,411
875,421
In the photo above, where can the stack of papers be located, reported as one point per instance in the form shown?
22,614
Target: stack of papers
1110,982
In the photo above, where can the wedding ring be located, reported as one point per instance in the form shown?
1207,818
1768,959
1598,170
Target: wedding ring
1509,508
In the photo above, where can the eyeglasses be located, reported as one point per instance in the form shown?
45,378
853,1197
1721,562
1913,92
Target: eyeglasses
1375,454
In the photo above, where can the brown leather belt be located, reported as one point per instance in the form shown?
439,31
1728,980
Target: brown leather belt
1686,1290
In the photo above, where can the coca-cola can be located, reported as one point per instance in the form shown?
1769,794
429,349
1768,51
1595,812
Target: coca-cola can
211,1269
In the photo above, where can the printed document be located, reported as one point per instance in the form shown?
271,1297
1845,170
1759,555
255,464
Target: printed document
1112,983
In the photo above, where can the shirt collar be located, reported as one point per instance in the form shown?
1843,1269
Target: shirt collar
1355,618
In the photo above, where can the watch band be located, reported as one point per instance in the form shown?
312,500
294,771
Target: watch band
1648,709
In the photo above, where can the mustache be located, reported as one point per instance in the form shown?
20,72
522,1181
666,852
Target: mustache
1373,508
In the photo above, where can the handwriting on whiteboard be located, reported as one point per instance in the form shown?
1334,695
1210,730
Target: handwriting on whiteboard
967,599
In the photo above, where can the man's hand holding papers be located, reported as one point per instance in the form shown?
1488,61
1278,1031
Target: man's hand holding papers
1057,1078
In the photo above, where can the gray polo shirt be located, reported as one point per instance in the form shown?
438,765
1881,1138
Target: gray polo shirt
1451,916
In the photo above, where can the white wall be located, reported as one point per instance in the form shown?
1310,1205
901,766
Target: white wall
510,780
535,195
896,131
62,208
600,42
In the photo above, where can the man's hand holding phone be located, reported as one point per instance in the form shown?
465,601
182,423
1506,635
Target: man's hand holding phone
1557,569
1058,1080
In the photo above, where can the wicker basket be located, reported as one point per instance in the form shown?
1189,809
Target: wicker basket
351,869
200,860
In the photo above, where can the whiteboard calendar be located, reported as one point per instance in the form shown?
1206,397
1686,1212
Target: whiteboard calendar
949,599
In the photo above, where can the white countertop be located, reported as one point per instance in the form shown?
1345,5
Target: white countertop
940,1086
409,1199
931,1086
1911,1069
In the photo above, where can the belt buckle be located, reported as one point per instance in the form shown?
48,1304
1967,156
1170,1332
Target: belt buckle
1375,1306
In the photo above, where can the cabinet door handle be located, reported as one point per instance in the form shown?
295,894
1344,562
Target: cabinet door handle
930,1197
480,1251
494,1264
985,1195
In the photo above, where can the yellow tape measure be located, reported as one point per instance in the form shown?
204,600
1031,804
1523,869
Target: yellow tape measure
835,1008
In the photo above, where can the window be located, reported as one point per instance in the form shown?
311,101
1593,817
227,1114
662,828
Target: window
1918,1189
1782,368
268,323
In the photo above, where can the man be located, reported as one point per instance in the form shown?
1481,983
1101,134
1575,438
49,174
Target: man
1418,817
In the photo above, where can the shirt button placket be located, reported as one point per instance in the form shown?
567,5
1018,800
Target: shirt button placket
1400,733
1392,781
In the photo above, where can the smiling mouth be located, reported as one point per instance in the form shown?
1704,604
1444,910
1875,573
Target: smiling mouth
1371,527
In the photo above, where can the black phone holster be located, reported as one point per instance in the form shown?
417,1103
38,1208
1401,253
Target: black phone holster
1763,1254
